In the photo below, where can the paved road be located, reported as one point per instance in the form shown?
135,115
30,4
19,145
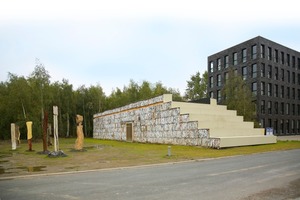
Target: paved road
240,177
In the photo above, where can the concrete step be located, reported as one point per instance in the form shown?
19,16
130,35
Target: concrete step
219,124
246,140
216,118
235,132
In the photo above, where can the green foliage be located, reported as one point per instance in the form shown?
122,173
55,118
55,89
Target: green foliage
23,99
238,96
197,86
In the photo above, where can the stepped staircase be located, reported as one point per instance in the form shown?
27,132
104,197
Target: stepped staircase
224,125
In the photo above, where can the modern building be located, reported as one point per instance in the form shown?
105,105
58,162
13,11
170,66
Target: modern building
272,72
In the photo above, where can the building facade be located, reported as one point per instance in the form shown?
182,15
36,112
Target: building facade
272,72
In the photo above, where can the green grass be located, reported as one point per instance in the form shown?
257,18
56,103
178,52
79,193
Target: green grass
106,154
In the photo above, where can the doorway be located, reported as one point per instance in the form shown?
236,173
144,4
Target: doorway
129,132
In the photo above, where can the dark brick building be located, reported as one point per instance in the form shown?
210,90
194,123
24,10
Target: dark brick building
272,71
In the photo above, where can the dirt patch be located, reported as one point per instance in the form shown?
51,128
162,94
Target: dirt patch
291,191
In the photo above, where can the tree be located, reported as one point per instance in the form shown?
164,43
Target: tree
238,96
197,86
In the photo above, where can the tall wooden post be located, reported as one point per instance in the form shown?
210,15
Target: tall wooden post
55,124
29,134
13,136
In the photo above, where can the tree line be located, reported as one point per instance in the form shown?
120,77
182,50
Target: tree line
29,98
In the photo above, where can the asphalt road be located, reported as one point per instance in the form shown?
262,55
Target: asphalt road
274,175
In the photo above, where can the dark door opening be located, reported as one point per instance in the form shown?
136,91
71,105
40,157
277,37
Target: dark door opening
129,132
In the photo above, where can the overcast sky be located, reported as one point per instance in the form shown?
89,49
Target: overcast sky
110,42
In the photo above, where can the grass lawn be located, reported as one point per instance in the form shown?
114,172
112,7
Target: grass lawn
100,154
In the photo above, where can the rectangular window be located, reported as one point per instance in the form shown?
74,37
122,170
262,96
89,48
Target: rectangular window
287,108
276,90
276,73
269,89
254,70
298,108
270,71
211,82
226,61
293,78
226,77
293,109
254,51
298,63
211,66
219,95
219,64
219,80
282,58
262,51
244,55
276,56
282,92
298,79
254,88
276,108
244,73
288,59
282,74
269,53
282,108
288,92
262,107
235,59
293,61
263,70
262,89
293,93
298,91
289,76
269,107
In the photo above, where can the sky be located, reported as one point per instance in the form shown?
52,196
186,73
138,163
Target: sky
109,43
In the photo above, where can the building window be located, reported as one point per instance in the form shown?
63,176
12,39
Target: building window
226,77
298,79
288,92
263,70
282,58
244,73
262,89
293,109
254,70
276,107
211,66
211,94
254,51
269,107
298,108
219,83
244,55
269,71
287,108
276,90
262,107
288,126
219,64
282,74
276,56
226,61
293,61
262,51
282,92
293,78
269,53
298,63
281,126
298,91
275,126
254,88
288,59
293,93
219,95
235,59
269,89
276,73
282,108
211,82
289,76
